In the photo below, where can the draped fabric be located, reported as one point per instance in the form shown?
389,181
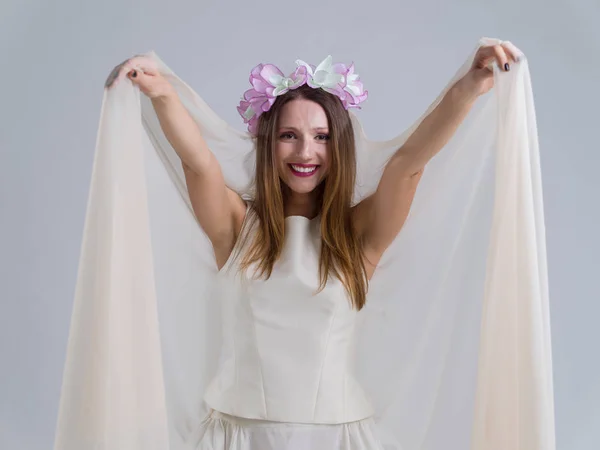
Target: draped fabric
454,344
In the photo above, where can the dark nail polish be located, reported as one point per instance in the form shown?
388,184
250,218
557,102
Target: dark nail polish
506,67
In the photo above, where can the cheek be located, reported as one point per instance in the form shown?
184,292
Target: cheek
325,156
280,154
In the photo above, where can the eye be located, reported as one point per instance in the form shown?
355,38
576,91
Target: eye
322,137
286,135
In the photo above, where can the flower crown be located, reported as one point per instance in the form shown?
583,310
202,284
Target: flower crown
268,82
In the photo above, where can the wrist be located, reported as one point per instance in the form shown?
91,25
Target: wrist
464,91
165,100
167,94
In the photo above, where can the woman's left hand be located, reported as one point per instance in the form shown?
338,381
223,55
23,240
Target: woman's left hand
480,77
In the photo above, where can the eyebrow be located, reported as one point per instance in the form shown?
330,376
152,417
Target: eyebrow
295,129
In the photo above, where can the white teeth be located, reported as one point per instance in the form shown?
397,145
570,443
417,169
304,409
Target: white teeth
304,169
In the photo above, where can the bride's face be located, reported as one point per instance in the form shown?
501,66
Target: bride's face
302,146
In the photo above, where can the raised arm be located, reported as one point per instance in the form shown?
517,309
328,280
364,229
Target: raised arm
220,210
381,216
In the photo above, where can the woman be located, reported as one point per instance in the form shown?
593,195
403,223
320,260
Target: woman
312,250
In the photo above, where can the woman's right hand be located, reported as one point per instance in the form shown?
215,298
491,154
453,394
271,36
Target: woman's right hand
143,72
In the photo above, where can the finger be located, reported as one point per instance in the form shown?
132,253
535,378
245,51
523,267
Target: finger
141,79
514,53
114,74
124,71
485,56
501,57
509,53
145,64
140,63
137,76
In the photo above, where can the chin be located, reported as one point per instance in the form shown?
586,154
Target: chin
301,189
301,186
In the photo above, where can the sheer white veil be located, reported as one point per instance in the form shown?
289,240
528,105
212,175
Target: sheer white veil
454,343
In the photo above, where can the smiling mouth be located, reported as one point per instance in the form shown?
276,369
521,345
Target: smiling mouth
303,170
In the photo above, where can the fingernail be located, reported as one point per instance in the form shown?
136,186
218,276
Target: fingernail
506,67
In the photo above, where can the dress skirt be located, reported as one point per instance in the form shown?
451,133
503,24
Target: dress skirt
219,431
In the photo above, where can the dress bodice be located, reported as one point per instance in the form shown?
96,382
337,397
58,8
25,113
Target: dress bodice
288,351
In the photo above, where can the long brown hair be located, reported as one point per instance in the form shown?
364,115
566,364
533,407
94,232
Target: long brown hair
341,249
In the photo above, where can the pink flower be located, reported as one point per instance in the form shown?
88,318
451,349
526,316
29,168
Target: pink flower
354,89
268,82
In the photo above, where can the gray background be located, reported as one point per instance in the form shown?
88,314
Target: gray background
56,56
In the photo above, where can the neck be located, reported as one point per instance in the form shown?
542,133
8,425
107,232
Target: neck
296,204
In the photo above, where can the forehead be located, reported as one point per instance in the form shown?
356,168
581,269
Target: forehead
302,113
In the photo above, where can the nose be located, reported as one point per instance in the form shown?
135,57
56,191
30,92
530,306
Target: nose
304,149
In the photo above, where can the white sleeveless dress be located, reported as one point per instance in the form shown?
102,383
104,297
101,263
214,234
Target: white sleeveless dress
285,379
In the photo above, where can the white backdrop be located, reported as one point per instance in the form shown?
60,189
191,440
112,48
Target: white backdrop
56,56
